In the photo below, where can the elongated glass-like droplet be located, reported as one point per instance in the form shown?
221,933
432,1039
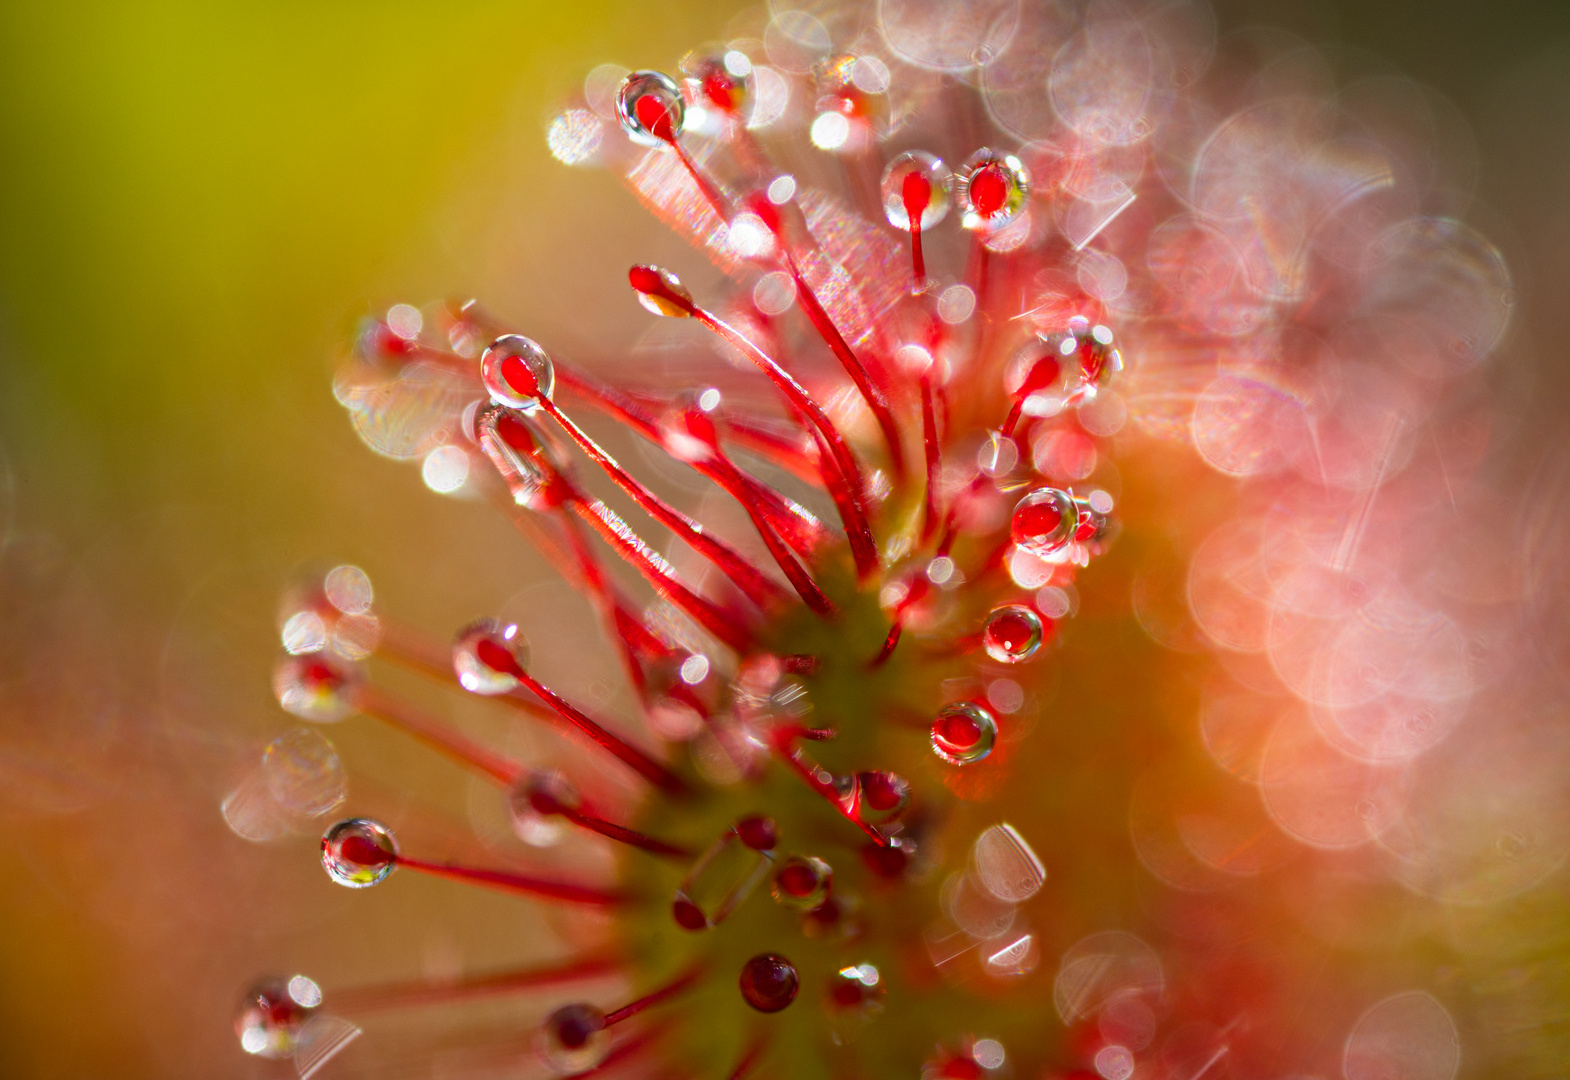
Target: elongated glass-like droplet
963,733
990,190
358,852
650,107
517,373
874,796
916,188
271,1014
315,687
487,656
574,1039
1013,634
802,882
1044,521
769,982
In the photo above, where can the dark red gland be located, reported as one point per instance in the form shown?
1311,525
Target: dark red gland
362,852
318,675
886,861
989,190
1042,374
760,834
520,377
798,879
1013,632
916,191
769,982
573,1028
656,118
883,791
496,658
847,993
722,91
957,730
1040,519
826,913
688,915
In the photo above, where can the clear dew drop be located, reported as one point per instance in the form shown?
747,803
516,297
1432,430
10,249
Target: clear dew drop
272,1013
990,190
315,687
1013,634
487,656
1044,521
304,774
722,81
510,441
1006,865
650,107
769,982
358,852
802,882
573,1039
916,185
963,733
348,588
517,373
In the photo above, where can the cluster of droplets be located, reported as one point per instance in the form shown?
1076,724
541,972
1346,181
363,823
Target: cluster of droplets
957,484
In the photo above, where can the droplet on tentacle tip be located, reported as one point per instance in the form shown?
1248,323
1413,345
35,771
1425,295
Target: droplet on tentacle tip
856,989
517,373
874,796
513,445
535,805
272,1013
573,1039
758,832
687,430
769,982
1012,634
661,291
1044,521
802,882
990,190
358,852
316,687
916,186
963,733
303,773
650,107
487,656
719,80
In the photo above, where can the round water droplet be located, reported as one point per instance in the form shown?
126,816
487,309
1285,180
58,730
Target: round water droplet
963,733
315,687
271,1014
546,792
574,1039
517,373
661,291
1044,521
721,81
359,852
769,982
916,185
488,656
303,773
802,882
997,455
348,589
758,832
687,429
1013,633
650,107
856,988
990,190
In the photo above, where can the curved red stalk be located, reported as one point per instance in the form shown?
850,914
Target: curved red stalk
794,523
848,359
664,993
851,496
382,706
929,441
506,880
594,823
820,781
800,580
748,578
659,573
916,193
421,992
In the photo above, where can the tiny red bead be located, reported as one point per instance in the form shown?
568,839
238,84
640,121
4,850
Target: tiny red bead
758,832
769,982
